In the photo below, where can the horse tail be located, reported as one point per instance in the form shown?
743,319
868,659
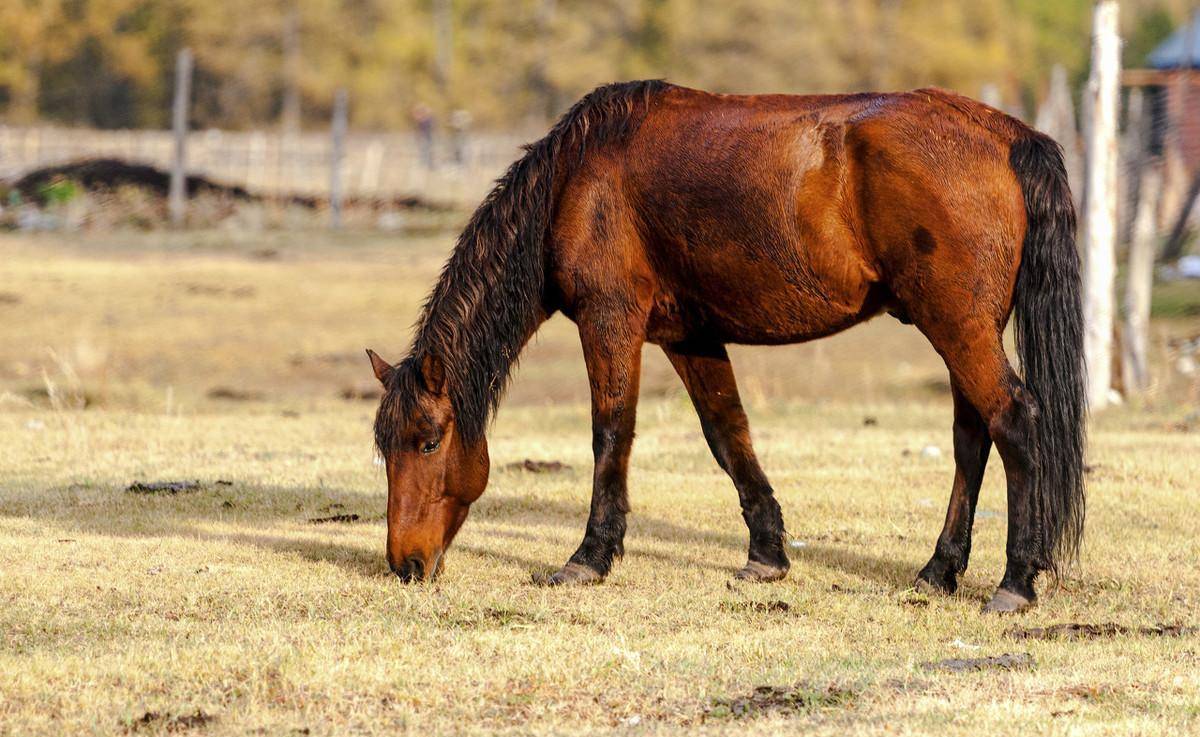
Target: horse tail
490,297
1048,323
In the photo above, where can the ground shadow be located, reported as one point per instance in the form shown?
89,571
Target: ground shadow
532,512
186,515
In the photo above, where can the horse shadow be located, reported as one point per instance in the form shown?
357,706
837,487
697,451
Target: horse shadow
525,517
557,513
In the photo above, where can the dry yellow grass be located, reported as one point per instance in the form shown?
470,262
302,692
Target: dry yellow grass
224,611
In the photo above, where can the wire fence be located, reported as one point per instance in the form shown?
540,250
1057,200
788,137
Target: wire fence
455,170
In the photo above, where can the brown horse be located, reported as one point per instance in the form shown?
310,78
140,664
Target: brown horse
655,213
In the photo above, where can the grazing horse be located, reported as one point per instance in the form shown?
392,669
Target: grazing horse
655,213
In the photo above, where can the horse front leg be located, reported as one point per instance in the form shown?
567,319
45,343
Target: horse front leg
708,376
612,350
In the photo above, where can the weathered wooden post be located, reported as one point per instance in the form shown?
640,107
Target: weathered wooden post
547,9
338,155
1134,154
292,60
177,194
1183,90
989,94
1056,118
1100,214
1139,282
443,57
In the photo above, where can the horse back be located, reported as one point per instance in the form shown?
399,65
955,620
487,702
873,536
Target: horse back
779,218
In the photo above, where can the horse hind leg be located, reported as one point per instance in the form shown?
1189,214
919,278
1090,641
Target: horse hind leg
972,444
708,375
974,354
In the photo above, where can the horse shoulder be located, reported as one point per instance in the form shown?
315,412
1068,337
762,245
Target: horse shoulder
596,254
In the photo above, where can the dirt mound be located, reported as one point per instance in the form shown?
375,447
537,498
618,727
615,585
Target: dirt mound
109,174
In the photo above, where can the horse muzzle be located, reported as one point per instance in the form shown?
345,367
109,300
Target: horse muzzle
418,568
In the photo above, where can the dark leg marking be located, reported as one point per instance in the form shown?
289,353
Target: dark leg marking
708,376
953,551
612,351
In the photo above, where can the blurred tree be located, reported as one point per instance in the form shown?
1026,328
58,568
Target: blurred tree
520,62
34,36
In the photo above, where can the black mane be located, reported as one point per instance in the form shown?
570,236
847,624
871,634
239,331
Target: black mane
489,298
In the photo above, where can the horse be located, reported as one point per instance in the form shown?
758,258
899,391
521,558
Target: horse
654,213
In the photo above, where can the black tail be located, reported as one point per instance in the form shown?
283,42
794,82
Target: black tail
1049,332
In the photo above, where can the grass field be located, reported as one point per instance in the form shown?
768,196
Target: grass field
223,609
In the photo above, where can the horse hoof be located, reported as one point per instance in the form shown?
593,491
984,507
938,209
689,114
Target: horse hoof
1006,602
568,575
929,588
931,585
760,572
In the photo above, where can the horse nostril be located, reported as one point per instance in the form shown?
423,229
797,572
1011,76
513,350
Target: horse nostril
412,569
417,566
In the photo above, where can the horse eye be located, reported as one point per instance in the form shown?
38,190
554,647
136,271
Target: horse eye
430,447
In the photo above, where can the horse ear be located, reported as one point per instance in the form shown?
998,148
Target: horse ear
382,368
433,373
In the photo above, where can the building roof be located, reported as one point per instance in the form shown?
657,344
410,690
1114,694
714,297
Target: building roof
1170,54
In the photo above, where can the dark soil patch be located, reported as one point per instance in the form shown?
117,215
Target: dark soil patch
1089,692
799,699
533,466
70,397
936,386
8,298
1077,631
212,290
506,617
326,359
489,617
163,487
333,518
755,606
1008,661
232,394
155,721
361,393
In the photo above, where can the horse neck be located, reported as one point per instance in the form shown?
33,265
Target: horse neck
489,300
486,306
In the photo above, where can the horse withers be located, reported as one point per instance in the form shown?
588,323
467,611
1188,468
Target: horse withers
654,213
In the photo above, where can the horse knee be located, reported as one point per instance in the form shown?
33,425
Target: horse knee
1012,428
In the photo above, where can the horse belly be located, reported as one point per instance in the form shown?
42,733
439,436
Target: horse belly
746,228
757,303
762,275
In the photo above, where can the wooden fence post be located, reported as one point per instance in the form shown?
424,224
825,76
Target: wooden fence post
443,56
1056,118
1100,216
292,61
1139,282
177,195
989,94
340,104
1183,90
